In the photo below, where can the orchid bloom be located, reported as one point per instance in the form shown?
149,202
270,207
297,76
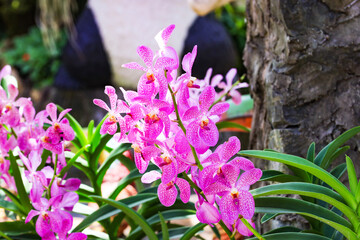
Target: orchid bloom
203,128
153,81
228,87
117,106
236,199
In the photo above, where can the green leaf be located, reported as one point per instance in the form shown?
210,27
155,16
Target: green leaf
95,140
307,166
75,126
277,176
311,152
24,198
267,217
324,155
192,231
167,215
46,153
309,190
107,211
339,170
15,200
164,228
9,206
132,214
131,177
109,160
339,152
104,139
16,228
282,205
224,124
176,233
293,236
73,159
351,175
283,230
90,130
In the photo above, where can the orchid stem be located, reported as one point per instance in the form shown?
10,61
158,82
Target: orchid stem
248,225
228,232
183,128
222,96
53,178
193,185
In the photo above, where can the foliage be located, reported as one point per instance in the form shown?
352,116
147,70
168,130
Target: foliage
33,59
329,206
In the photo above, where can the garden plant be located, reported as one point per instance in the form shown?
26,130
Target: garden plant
172,126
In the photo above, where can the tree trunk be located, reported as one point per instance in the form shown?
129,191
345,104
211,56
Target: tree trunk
303,62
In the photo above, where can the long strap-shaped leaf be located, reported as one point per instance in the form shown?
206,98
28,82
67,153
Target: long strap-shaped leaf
293,236
167,215
131,177
310,190
307,166
325,154
107,211
109,160
132,214
283,205
192,231
76,126
24,198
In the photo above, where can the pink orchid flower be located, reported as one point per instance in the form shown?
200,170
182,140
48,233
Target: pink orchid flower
167,192
153,81
236,198
234,93
203,128
117,106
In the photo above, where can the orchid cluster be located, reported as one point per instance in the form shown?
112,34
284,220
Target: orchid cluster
171,122
27,136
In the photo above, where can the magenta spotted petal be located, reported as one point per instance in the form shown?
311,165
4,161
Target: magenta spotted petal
206,98
209,134
184,189
242,229
249,177
192,134
247,204
207,213
229,208
77,236
167,194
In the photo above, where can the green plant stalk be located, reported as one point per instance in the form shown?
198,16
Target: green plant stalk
193,185
248,225
222,96
228,232
183,128
53,178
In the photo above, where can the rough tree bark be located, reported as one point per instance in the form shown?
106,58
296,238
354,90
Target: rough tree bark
303,62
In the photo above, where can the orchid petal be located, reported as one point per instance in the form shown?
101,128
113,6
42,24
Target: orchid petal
134,65
219,108
210,136
249,177
167,194
146,55
184,189
206,98
247,204
229,208
191,113
150,177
